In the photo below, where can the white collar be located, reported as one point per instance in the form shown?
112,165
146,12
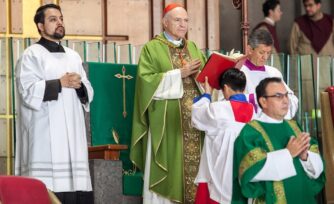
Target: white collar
269,20
266,119
170,39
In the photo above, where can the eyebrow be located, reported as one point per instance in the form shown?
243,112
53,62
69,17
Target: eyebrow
55,16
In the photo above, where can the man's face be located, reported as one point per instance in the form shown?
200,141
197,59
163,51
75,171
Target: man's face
260,54
311,8
276,102
53,27
276,14
176,23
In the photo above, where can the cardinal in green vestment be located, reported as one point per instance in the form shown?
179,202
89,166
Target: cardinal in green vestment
164,144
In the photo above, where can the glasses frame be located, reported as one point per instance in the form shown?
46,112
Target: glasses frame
279,95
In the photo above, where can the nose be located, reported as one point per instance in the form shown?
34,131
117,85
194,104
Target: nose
286,99
60,22
183,23
265,56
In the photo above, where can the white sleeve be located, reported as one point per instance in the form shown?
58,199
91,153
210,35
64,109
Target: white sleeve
170,87
278,166
203,118
293,105
313,166
89,88
30,81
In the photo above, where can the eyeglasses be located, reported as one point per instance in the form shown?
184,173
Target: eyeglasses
279,96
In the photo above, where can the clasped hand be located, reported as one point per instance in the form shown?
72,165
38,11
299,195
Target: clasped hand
190,68
298,146
71,80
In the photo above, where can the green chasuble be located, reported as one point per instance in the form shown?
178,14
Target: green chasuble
176,146
250,151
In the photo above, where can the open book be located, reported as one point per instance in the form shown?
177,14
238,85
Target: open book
217,64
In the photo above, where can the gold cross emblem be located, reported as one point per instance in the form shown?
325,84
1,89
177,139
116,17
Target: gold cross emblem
128,77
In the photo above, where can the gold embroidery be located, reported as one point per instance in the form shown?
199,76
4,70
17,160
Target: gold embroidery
314,148
279,192
294,127
191,136
278,185
251,158
259,128
166,42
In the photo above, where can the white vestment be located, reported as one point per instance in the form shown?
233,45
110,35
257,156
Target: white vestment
253,79
218,122
51,140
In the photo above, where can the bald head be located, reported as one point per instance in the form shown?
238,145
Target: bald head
175,23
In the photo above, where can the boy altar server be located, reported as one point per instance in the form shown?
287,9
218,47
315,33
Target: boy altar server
222,122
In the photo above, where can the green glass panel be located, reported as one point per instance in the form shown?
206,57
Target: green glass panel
93,52
124,54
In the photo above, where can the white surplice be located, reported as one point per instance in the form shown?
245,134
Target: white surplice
253,79
217,120
51,140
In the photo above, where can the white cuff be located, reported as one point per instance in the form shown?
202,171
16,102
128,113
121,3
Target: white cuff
313,166
278,166
170,87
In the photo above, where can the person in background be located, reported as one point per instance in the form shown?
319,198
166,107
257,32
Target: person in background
259,50
272,14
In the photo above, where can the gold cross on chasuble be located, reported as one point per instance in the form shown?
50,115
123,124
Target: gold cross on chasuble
128,77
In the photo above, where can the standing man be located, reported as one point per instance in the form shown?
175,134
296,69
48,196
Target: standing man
274,161
272,14
259,50
164,144
313,32
53,91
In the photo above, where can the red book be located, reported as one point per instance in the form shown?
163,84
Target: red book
216,65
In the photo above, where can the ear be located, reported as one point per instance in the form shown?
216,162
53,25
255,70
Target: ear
164,22
263,102
249,50
40,26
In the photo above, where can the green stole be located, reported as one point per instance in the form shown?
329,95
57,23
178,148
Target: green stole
176,147
251,147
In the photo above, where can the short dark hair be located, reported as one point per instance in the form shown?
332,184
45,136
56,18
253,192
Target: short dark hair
260,36
233,78
269,5
261,88
40,13
315,1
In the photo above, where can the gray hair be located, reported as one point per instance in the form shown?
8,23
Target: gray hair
260,36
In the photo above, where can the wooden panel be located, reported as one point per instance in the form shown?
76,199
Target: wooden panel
213,25
197,29
131,18
174,1
16,16
328,145
47,2
3,138
82,17
3,16
157,16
